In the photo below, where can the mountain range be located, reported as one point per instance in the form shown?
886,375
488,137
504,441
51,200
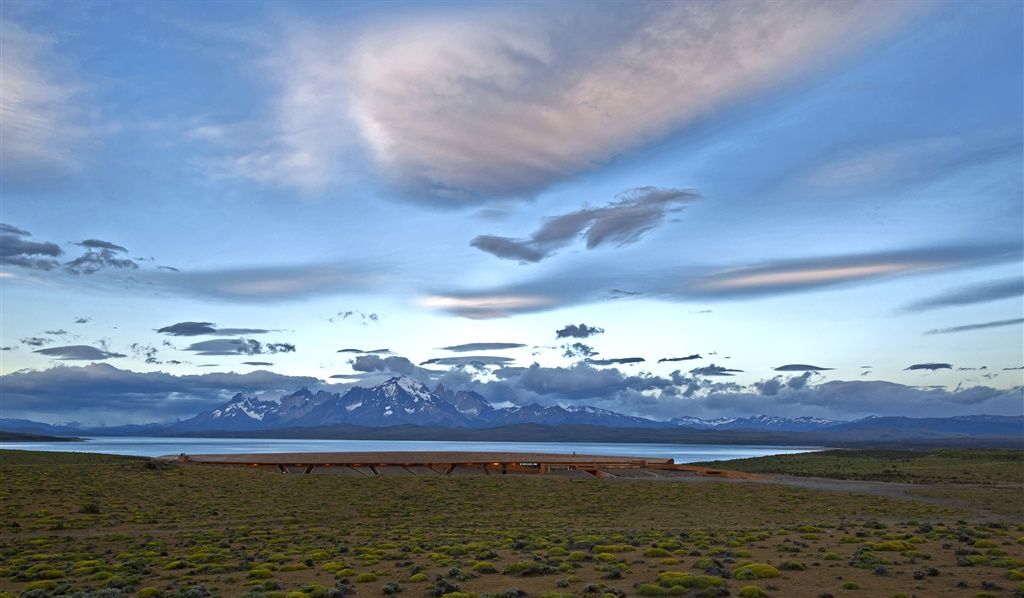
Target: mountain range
402,402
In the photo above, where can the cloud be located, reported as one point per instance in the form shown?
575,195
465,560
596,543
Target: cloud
504,102
852,399
714,370
393,364
622,222
770,387
35,341
17,250
206,328
98,244
148,353
483,347
77,353
98,256
800,367
581,284
238,346
269,283
979,326
470,360
578,331
488,305
687,358
263,363
367,351
188,329
363,317
577,350
982,293
102,393
39,111
616,360
619,293
929,366
809,274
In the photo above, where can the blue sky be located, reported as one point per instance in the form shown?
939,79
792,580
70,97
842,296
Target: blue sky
834,184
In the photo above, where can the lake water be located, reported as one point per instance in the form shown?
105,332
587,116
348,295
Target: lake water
152,447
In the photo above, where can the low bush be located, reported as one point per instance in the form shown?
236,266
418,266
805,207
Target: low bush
755,571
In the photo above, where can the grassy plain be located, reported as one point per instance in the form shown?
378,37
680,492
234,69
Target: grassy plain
103,526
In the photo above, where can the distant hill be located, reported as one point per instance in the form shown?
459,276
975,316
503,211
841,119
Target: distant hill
19,437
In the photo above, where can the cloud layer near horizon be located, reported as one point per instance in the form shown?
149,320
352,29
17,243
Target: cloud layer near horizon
103,393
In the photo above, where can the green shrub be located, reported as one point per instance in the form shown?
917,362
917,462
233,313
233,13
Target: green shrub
148,593
45,584
332,567
419,578
366,577
793,566
259,573
755,571
850,586
751,592
485,567
613,548
296,594
656,552
460,595
891,546
527,568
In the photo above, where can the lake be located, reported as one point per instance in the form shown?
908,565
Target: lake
152,447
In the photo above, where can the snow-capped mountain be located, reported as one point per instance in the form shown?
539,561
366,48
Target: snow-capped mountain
404,401
572,415
758,422
469,403
400,400
242,412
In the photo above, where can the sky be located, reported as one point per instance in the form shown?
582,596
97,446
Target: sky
666,209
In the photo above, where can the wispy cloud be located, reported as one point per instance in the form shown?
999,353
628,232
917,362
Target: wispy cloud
506,104
580,284
39,119
482,347
979,326
969,295
78,353
496,102
268,283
